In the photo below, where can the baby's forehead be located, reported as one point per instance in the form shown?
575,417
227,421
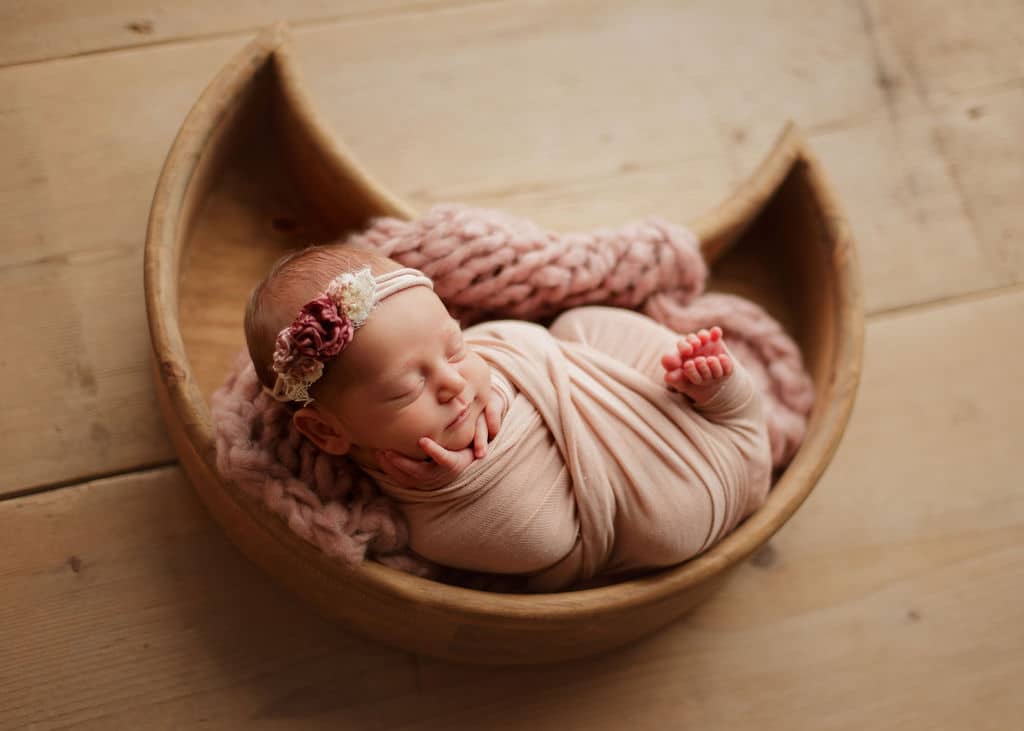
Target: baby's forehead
397,332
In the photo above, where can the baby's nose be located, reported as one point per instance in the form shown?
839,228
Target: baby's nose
452,384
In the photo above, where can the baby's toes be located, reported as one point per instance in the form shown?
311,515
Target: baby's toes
690,369
726,362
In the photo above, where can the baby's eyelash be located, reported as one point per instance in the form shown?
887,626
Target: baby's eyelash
458,355
406,393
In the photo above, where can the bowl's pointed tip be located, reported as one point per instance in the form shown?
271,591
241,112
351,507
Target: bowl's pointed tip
791,132
276,34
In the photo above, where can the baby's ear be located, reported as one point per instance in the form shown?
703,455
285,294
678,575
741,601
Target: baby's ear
323,430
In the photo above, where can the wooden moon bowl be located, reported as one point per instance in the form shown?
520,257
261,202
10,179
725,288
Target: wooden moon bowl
254,172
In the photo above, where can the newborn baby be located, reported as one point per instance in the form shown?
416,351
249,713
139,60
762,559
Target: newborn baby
602,446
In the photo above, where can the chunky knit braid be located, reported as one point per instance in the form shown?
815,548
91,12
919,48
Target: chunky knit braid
486,265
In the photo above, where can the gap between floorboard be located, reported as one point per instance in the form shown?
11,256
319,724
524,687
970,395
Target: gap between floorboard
327,20
81,480
978,295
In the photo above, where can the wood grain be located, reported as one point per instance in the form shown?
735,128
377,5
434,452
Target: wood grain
890,601
73,218
252,138
122,604
946,51
908,207
623,115
46,29
981,140
575,119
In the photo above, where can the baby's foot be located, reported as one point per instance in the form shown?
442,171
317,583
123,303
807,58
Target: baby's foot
701,366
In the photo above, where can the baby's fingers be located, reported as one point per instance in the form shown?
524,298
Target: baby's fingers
389,466
685,349
399,466
690,369
493,412
480,437
443,457
674,379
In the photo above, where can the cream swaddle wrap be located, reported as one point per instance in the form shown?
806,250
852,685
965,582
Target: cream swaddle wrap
598,468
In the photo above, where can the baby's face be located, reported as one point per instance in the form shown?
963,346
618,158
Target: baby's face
406,375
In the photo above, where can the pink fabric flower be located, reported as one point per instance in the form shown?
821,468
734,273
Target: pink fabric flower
319,331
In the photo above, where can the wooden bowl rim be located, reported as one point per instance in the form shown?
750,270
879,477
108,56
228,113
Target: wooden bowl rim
173,368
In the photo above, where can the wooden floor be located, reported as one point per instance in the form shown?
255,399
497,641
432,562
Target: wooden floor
892,600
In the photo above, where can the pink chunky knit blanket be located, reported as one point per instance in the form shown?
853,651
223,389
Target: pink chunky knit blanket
488,265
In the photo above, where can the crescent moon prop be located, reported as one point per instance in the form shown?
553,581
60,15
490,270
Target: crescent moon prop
253,171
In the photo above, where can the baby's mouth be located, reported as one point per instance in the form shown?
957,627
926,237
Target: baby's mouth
461,417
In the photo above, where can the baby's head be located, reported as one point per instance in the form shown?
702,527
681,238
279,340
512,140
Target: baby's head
405,374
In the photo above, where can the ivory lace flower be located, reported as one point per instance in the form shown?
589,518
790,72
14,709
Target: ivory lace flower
353,294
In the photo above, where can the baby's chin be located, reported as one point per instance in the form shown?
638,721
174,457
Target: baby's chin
458,439
453,442
456,445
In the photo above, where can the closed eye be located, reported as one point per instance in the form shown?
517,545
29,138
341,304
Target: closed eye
405,394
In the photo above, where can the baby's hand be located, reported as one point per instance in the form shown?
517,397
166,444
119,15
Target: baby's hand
445,466
493,414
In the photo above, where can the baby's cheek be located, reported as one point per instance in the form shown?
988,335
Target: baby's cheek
413,426
481,375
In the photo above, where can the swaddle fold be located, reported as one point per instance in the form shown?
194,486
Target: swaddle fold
598,468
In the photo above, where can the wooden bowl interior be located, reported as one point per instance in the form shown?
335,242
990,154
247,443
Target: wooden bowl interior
264,191
268,179
249,213
783,262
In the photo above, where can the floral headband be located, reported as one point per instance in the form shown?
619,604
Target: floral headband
326,325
